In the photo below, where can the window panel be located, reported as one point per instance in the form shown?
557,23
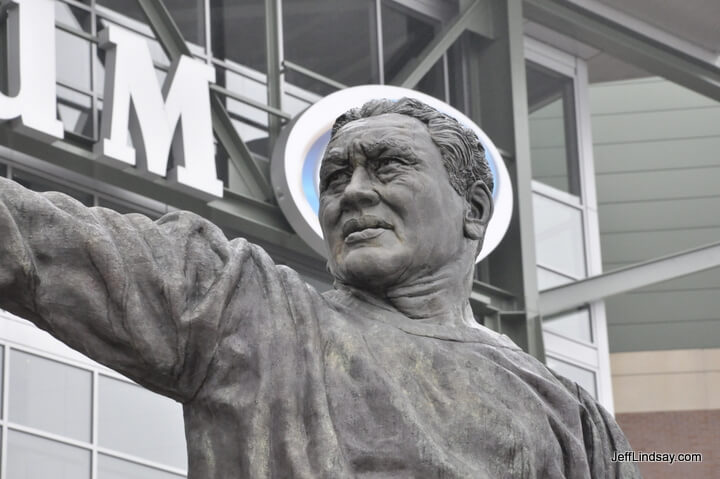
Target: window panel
433,83
254,136
49,395
549,279
114,468
31,457
73,17
238,32
405,34
2,368
73,60
75,111
136,421
573,325
335,38
187,15
583,377
553,145
559,236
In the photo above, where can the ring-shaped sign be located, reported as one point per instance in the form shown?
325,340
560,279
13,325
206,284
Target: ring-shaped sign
299,151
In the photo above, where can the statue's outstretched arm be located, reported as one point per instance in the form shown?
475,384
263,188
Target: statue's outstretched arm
145,298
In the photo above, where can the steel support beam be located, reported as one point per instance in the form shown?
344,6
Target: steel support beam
563,298
414,71
274,57
314,75
626,44
496,72
254,175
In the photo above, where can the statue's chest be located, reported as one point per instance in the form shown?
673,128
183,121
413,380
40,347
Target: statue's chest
408,401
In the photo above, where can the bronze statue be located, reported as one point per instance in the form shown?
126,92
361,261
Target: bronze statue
386,376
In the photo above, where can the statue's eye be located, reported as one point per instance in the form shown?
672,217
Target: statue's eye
389,166
336,178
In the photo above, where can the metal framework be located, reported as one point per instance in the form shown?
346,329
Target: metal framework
563,298
626,44
476,14
254,174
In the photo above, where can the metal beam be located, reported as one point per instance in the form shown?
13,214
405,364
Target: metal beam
274,58
314,75
254,175
626,44
414,71
563,298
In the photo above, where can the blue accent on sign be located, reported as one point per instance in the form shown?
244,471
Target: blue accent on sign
310,167
493,169
314,157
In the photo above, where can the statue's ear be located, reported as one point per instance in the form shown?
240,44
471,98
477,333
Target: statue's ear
479,211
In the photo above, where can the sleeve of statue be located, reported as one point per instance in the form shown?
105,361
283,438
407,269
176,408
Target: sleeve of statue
145,298
602,438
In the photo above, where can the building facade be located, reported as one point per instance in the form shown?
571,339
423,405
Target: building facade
585,103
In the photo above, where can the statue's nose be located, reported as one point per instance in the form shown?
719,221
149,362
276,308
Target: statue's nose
360,191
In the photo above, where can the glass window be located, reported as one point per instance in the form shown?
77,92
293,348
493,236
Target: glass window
73,60
583,377
75,111
253,134
35,457
433,83
36,183
73,17
187,14
113,468
553,135
549,279
335,38
136,421
559,236
573,325
238,32
405,34
3,170
49,395
2,371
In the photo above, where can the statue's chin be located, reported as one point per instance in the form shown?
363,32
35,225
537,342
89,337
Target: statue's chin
369,269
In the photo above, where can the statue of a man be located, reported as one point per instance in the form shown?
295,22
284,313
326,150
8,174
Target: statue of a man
386,376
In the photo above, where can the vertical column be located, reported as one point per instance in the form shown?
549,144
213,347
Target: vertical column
497,80
274,46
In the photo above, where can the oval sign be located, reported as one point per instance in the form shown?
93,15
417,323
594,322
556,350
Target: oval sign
296,158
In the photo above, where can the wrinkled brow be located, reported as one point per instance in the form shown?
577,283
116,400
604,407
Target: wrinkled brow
340,157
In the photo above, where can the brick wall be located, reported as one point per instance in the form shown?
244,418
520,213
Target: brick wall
675,431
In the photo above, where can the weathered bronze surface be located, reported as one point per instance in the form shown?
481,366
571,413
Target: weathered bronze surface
386,376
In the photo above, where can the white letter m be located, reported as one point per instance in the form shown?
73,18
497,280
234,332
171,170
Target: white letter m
130,80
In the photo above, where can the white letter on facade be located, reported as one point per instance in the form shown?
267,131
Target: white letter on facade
31,68
130,81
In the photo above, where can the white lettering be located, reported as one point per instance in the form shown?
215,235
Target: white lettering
31,64
134,104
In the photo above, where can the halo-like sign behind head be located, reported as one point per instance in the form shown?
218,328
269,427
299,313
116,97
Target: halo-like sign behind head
297,155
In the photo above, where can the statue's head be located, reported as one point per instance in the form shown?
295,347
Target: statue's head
404,194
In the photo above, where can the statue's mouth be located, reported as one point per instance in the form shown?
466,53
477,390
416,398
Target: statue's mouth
364,222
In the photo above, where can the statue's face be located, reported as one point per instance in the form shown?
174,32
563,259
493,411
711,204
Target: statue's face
388,212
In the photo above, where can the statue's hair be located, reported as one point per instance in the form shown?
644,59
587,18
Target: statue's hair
463,154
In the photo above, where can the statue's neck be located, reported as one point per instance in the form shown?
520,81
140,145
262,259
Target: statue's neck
438,299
